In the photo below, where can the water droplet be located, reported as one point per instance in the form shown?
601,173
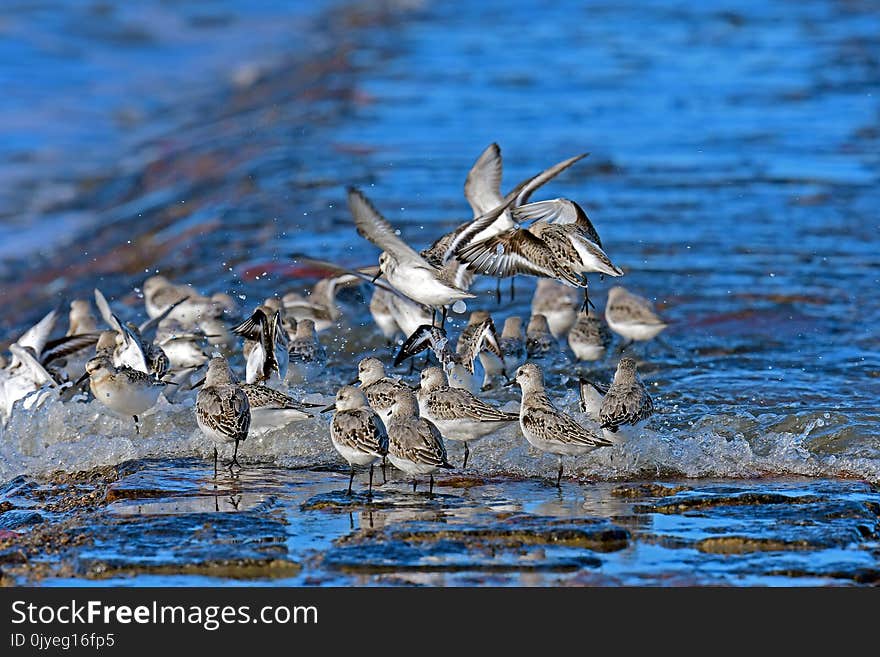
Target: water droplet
459,307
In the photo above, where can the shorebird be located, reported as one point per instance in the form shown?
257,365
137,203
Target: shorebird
548,248
123,389
271,409
81,319
190,307
404,269
512,345
36,337
306,354
320,304
223,412
460,366
458,414
589,337
480,335
378,388
415,445
266,345
28,377
631,315
558,303
482,190
539,341
547,428
182,346
356,432
626,405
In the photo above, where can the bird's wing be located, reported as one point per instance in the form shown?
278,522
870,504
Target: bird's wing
67,345
35,369
482,188
148,328
252,327
521,193
38,334
557,211
549,424
372,226
106,312
623,407
424,337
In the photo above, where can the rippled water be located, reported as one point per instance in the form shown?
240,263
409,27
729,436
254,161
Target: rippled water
733,174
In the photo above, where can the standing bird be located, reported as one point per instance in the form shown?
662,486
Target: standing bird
539,341
558,303
123,389
547,428
513,345
415,445
589,337
631,315
356,432
265,345
223,412
306,354
457,413
627,405
81,318
378,388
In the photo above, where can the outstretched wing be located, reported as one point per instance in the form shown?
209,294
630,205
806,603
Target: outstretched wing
372,226
482,188
557,211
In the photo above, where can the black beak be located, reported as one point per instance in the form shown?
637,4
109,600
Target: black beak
329,408
81,379
198,383
510,383
416,388
354,382
376,277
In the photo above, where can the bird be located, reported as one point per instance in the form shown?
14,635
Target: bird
223,411
271,409
415,445
539,341
378,388
80,318
457,413
632,316
306,354
480,336
548,248
121,388
320,303
183,347
265,346
28,377
627,405
460,367
558,303
547,428
406,270
512,345
356,432
190,307
589,337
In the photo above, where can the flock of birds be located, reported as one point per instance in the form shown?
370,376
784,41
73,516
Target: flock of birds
126,367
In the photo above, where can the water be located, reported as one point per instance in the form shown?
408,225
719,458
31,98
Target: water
733,174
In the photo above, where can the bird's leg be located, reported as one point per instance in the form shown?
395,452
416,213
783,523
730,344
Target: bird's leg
559,474
443,314
431,485
498,291
235,456
370,488
414,484
433,317
466,453
384,476
351,480
137,428
215,463
512,289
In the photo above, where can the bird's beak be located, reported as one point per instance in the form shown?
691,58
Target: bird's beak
376,277
416,387
198,383
329,408
351,383
510,383
81,379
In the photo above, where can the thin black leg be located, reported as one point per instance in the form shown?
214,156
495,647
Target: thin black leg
414,484
512,289
498,291
137,428
559,475
235,456
351,480
384,476
443,314
370,489
431,485
215,463
466,454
